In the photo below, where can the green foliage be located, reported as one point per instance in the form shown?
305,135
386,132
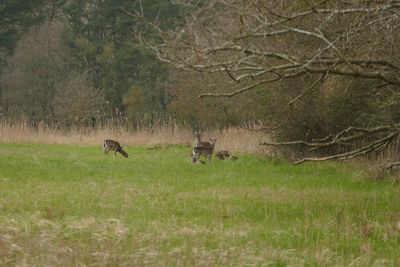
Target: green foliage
84,49
85,205
16,16
99,43
42,84
135,102
106,32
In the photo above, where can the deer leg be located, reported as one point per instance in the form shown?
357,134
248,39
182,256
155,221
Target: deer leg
195,157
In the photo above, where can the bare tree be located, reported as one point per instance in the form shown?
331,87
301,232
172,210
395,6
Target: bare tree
38,64
256,43
77,102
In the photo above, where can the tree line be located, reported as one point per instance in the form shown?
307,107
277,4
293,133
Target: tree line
321,75
69,62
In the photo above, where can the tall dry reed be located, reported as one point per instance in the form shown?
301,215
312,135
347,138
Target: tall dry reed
233,138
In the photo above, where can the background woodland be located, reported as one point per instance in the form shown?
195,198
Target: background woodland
322,72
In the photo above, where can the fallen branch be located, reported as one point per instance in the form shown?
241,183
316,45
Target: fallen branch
342,138
393,164
379,144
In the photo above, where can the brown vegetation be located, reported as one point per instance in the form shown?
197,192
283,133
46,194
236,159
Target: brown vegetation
234,138
331,67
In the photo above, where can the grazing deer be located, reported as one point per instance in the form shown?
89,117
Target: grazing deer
113,146
205,150
224,154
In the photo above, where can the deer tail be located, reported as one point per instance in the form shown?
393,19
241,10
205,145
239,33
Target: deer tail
123,152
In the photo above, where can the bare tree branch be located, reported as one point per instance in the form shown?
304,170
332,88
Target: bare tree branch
340,138
250,86
344,137
257,43
378,144
328,58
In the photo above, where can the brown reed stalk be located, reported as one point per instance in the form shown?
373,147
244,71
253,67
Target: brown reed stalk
236,139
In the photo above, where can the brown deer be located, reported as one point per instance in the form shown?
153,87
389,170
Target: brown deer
113,146
203,149
198,142
225,154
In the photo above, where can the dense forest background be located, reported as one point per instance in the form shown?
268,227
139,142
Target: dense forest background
79,63
320,70
74,62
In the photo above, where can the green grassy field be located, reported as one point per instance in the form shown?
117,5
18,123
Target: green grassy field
66,205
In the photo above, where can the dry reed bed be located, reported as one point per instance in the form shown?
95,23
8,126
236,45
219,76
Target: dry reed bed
233,139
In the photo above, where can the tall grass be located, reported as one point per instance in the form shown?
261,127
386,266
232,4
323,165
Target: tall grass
233,138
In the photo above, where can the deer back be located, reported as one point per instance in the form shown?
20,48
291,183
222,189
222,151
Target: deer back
112,145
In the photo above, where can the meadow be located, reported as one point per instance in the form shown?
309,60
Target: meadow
70,205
